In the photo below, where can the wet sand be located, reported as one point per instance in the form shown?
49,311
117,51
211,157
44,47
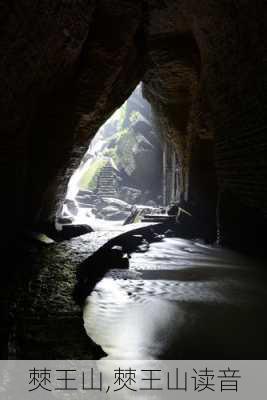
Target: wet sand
181,300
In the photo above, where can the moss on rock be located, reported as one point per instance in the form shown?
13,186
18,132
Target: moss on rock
89,178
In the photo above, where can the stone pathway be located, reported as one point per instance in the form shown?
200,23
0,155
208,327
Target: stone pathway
106,183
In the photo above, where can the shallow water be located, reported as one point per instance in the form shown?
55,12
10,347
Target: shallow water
95,223
181,300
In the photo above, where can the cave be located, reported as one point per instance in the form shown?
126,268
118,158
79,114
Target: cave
66,68
122,168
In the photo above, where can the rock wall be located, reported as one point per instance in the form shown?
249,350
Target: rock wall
175,87
207,83
67,65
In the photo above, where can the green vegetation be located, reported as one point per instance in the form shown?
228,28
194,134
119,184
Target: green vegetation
135,116
89,178
112,153
122,133
120,147
125,151
122,115
117,140
113,140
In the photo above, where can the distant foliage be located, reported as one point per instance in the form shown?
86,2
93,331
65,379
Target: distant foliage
135,116
122,115
112,153
121,143
113,143
125,151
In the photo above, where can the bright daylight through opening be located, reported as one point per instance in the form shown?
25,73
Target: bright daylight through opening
122,169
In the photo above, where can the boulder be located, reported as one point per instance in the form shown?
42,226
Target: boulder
151,203
122,205
118,216
66,232
130,195
109,210
71,206
64,220
82,193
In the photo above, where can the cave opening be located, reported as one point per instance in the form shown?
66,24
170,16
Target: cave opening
122,169
182,290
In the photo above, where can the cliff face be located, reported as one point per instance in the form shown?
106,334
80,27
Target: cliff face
66,66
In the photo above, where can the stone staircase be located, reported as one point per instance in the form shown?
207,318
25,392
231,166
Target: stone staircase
106,183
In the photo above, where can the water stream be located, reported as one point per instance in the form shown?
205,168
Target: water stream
181,299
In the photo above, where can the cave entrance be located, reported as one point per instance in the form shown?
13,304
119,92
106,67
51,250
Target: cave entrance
123,167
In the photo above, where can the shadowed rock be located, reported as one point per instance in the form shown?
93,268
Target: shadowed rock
94,268
113,255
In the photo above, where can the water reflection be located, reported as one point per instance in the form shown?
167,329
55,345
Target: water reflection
181,299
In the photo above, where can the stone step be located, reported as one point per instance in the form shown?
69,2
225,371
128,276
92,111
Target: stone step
106,171
106,175
106,182
102,189
106,191
110,195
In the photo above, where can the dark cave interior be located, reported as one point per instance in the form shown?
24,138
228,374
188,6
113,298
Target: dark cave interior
66,67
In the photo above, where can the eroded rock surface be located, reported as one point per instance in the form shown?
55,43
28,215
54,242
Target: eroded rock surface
66,66
48,323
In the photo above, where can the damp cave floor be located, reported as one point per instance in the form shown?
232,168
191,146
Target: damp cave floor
179,300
